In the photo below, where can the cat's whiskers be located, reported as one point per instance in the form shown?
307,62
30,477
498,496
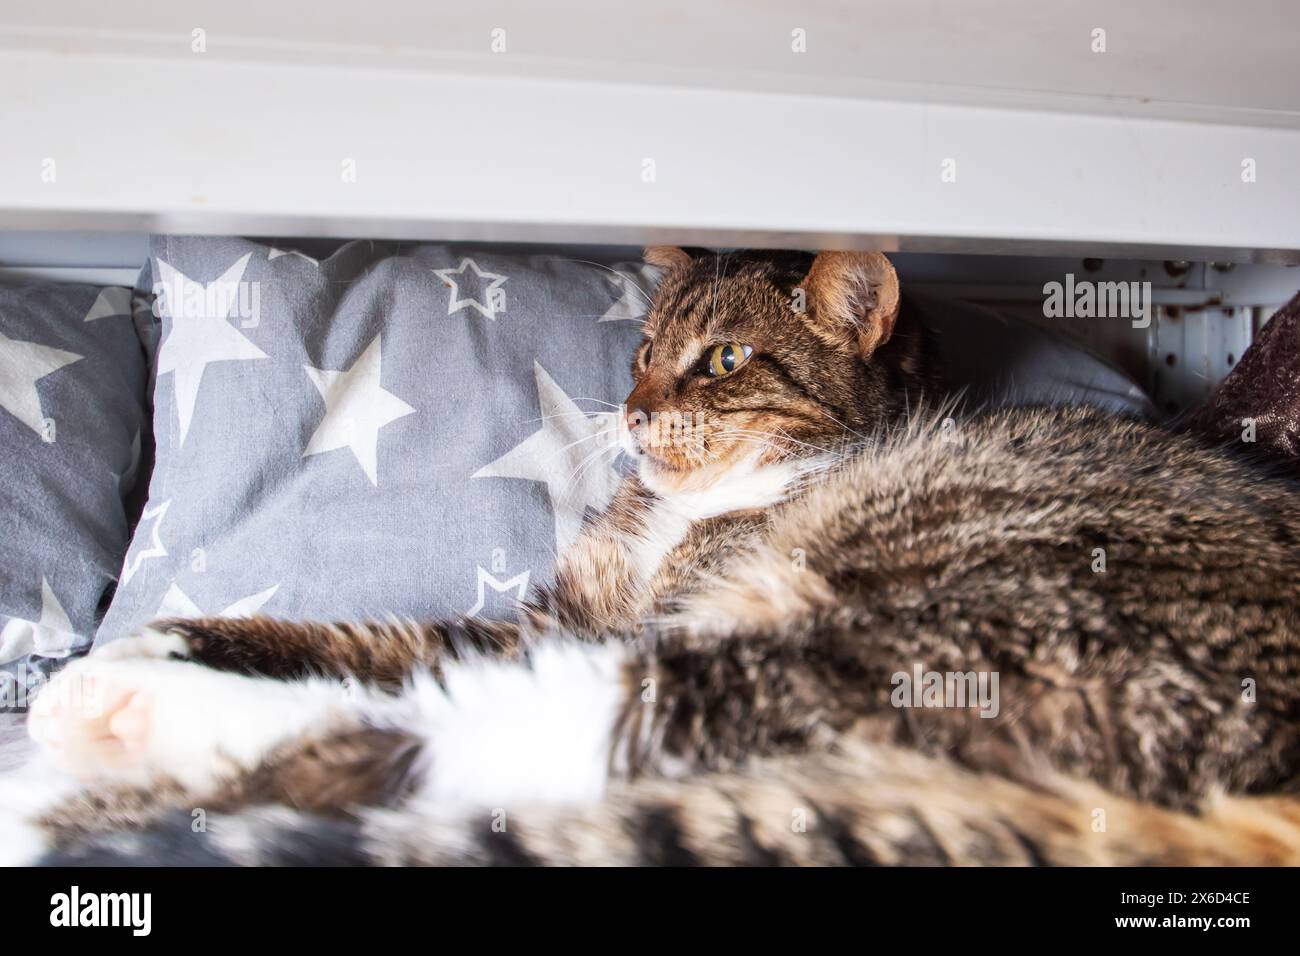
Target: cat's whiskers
843,425
577,414
599,401
604,458
588,462
586,438
575,476
754,434
621,275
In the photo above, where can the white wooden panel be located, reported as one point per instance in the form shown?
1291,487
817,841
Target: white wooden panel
1137,151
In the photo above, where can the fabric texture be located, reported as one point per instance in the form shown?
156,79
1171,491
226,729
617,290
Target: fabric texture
374,429
73,385
992,361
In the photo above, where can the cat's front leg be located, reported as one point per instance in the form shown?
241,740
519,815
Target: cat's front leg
381,652
137,711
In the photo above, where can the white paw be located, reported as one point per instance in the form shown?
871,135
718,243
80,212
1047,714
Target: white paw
130,713
95,717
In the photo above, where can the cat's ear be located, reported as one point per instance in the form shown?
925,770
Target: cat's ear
666,258
853,299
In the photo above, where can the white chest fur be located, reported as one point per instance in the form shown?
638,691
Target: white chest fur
746,487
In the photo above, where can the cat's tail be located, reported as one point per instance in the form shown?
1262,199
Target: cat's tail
868,806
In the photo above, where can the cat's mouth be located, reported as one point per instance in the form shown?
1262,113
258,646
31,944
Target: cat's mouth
666,476
670,465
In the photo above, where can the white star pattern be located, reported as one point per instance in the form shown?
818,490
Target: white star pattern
356,407
568,455
51,635
455,277
486,579
155,547
112,301
176,603
200,334
22,365
634,302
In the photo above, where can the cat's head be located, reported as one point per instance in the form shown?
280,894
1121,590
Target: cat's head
751,358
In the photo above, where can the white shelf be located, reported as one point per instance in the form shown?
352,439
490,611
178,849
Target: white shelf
1058,150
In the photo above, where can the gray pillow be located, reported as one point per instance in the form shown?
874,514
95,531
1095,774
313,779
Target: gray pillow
992,360
73,383
373,429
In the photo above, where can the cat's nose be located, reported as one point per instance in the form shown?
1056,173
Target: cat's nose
636,417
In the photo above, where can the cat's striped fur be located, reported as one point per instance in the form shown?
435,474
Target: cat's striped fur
728,663
861,805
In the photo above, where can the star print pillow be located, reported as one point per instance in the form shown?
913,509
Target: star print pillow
73,384
362,429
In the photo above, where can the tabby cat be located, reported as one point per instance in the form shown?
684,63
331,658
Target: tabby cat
816,626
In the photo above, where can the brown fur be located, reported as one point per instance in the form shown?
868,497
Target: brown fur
807,384
870,806
974,556
771,638
382,653
857,806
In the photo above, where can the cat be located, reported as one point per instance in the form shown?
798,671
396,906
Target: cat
751,655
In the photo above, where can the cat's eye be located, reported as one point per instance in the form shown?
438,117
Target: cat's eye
725,359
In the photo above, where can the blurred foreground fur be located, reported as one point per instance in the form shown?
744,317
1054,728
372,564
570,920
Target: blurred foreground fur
863,806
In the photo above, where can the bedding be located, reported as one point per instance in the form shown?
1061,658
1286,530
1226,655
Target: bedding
372,429
990,359
73,386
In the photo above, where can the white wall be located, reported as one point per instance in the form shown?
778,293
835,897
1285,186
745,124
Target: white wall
1137,150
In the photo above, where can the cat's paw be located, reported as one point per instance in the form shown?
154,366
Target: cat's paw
131,712
93,718
96,717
